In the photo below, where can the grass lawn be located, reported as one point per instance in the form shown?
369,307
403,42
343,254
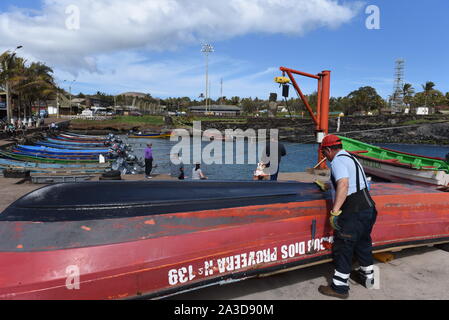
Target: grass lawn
125,120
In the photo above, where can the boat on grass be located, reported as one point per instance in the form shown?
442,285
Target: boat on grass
397,166
117,240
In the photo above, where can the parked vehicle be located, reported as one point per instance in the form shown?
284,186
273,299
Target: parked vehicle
43,114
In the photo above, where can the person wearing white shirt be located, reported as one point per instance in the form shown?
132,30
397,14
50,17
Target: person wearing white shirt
352,217
197,173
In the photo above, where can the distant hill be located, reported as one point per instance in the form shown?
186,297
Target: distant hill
134,94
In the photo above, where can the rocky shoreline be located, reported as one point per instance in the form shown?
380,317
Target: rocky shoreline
409,129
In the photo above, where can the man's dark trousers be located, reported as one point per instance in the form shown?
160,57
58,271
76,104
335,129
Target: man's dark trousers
148,166
353,238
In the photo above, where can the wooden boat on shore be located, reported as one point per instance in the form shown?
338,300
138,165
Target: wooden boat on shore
67,140
72,143
117,240
39,167
149,135
68,152
42,159
397,166
71,135
65,146
55,156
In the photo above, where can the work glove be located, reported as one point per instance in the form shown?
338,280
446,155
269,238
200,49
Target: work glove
334,219
321,185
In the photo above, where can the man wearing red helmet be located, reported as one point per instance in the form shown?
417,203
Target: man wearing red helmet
352,217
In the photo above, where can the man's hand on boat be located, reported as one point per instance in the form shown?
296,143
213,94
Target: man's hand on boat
322,185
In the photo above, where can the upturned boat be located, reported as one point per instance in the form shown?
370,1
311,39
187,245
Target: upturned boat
118,240
397,166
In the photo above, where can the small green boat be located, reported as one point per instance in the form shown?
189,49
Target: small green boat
15,156
397,166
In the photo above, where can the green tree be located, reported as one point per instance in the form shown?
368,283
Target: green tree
428,90
249,106
364,99
432,99
408,91
235,100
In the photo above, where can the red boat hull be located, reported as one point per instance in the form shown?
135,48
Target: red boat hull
170,253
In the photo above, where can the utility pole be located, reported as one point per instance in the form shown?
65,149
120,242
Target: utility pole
70,94
207,49
221,92
57,100
8,94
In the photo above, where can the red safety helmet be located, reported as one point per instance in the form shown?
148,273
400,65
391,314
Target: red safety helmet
330,141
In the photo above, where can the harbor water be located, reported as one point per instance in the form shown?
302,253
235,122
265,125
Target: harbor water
299,157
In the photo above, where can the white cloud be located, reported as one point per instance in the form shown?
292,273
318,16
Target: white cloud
111,27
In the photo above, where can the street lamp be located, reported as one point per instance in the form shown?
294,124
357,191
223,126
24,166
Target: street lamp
207,49
8,102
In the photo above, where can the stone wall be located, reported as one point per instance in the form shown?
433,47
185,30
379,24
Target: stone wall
396,128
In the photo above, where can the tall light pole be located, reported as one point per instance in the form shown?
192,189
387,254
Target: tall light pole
8,98
57,100
70,94
207,49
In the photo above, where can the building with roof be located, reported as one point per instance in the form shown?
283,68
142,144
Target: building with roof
216,110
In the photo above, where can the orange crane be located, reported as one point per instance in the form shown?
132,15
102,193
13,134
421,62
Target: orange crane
321,117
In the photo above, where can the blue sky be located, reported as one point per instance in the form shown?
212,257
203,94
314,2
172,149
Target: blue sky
153,46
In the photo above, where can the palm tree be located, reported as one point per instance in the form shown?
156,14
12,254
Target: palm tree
11,73
36,84
428,89
407,92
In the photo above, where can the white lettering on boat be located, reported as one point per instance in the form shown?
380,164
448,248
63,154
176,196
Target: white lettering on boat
229,264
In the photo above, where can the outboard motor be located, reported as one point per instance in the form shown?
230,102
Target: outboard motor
131,157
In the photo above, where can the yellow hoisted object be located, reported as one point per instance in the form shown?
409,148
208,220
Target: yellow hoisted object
282,80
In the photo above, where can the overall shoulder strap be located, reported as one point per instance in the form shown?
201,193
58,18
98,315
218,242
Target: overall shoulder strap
357,169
